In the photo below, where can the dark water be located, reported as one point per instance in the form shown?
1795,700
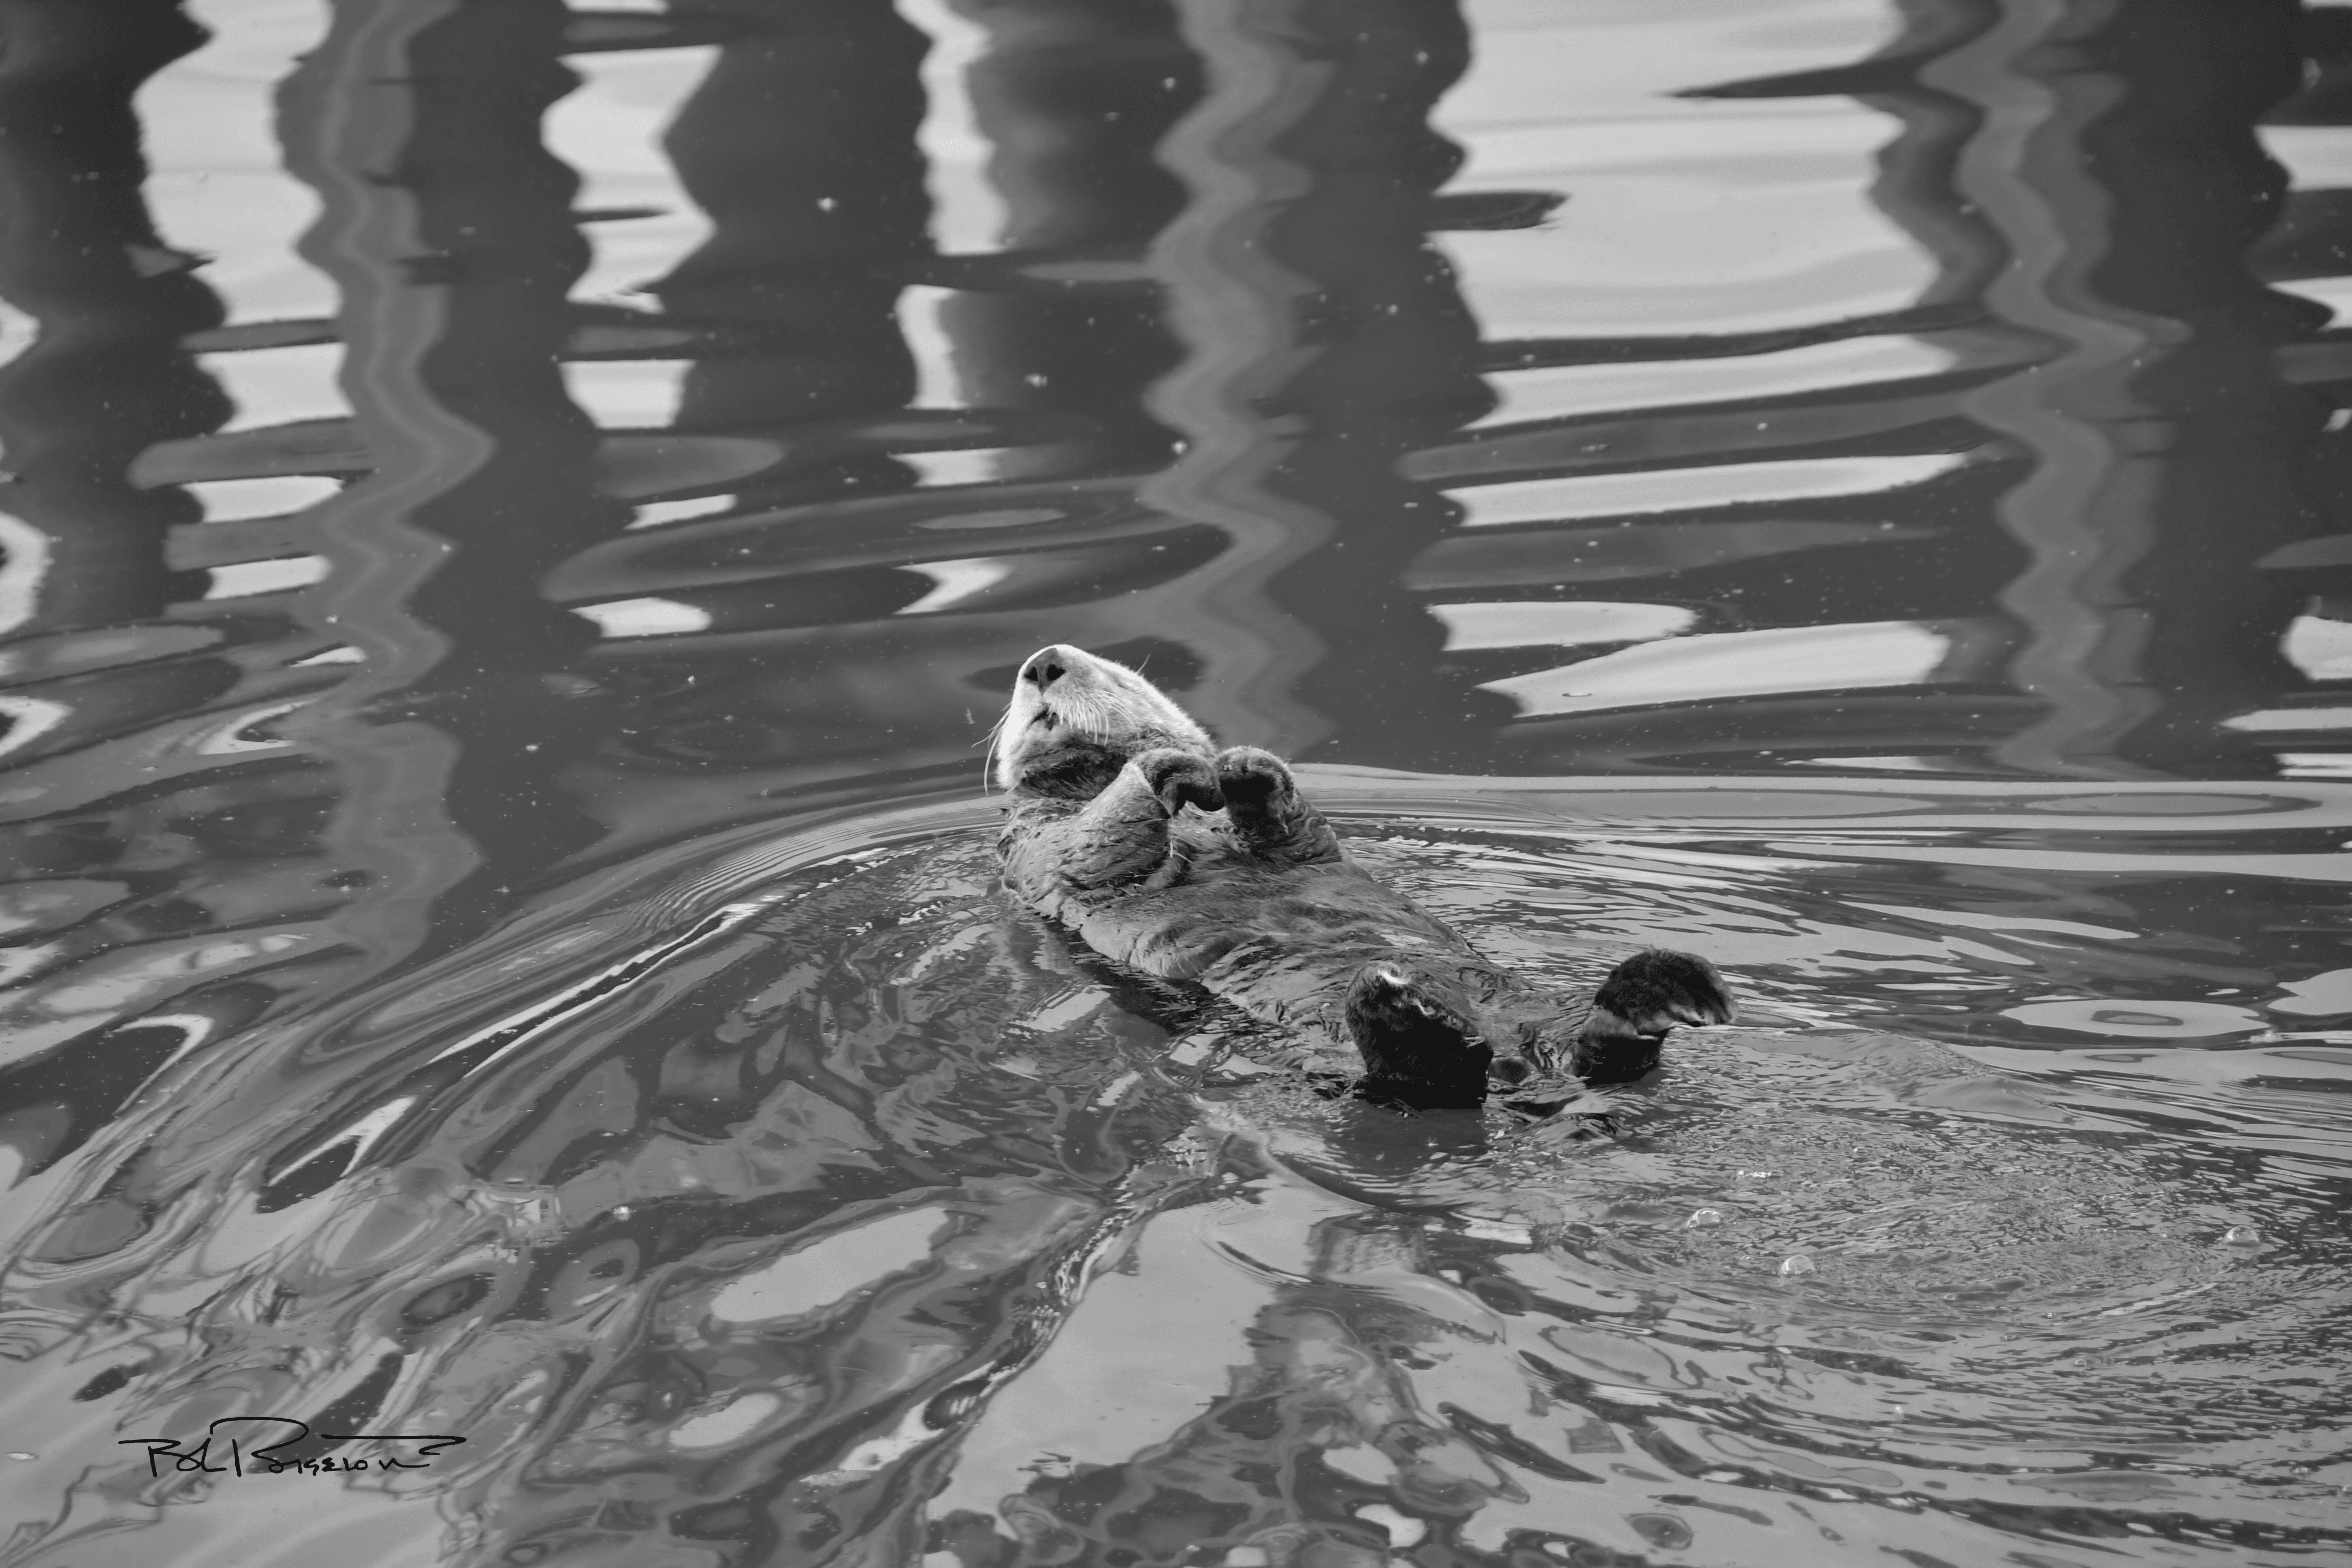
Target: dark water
518,519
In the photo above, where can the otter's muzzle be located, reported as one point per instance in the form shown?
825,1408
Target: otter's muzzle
1048,665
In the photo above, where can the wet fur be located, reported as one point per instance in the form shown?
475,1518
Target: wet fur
1127,824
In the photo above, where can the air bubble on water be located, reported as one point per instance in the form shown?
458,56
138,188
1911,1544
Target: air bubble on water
1796,1264
1704,1219
2242,1236
1755,1175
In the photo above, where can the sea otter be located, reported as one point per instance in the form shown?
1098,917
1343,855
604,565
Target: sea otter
1129,826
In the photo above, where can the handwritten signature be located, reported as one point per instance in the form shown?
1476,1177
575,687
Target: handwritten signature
268,1460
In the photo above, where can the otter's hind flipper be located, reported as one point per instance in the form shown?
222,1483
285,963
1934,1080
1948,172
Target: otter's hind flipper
1269,815
1419,1050
1644,998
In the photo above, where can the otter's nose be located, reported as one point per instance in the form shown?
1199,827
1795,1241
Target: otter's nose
1046,666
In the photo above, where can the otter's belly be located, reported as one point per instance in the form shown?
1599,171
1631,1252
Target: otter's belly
1315,923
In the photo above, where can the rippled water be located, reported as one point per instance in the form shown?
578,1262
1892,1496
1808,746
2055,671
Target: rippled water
518,520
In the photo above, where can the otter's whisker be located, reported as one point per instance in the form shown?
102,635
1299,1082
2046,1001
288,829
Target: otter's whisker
988,763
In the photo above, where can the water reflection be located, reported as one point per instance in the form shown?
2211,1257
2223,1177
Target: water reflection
413,1012
106,375
2102,207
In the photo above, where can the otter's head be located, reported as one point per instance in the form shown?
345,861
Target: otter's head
1418,1045
1075,720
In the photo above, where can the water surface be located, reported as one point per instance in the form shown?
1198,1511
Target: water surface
518,522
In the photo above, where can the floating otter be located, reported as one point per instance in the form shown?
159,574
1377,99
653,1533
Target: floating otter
1128,824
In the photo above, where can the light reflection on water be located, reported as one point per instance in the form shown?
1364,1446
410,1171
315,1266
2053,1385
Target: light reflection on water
517,518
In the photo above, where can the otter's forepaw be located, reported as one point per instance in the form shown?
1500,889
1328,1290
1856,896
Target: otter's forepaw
1179,778
1249,776
1655,990
1269,815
